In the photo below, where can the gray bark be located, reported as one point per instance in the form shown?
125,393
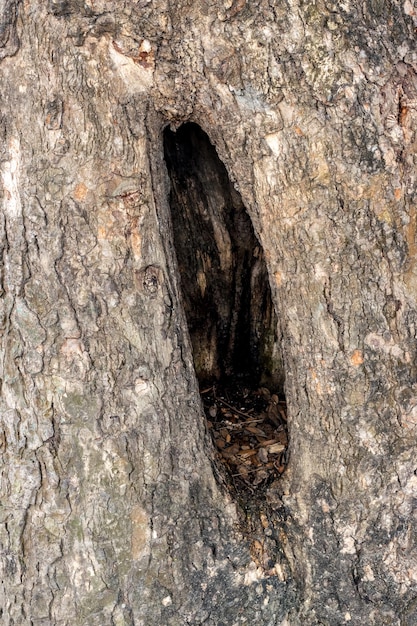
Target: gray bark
110,508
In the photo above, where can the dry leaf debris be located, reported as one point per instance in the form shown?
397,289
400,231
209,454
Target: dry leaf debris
249,432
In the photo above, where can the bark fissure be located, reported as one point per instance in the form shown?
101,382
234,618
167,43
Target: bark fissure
224,280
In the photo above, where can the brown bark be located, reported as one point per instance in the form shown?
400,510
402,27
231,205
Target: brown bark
110,509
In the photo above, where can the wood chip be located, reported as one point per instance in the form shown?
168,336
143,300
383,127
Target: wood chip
227,453
247,453
275,448
282,438
263,455
255,431
273,414
282,412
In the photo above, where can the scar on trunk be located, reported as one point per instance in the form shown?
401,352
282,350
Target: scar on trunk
229,310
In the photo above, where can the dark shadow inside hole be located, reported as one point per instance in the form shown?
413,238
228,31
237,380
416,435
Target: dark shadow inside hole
226,293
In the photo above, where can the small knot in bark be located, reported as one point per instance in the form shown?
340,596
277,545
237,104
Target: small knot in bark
149,280
53,114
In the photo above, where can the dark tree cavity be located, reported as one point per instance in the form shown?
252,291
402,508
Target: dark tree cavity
224,280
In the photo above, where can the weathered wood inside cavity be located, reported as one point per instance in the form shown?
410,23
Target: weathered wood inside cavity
224,279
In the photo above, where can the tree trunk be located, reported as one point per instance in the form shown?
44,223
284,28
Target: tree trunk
112,509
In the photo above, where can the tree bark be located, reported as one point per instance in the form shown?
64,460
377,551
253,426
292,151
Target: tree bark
111,511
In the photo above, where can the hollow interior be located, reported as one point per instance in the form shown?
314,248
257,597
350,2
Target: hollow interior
230,315
224,279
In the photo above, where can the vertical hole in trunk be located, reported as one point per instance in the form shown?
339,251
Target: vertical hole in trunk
229,310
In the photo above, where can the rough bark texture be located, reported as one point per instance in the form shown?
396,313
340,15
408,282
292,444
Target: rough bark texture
110,512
